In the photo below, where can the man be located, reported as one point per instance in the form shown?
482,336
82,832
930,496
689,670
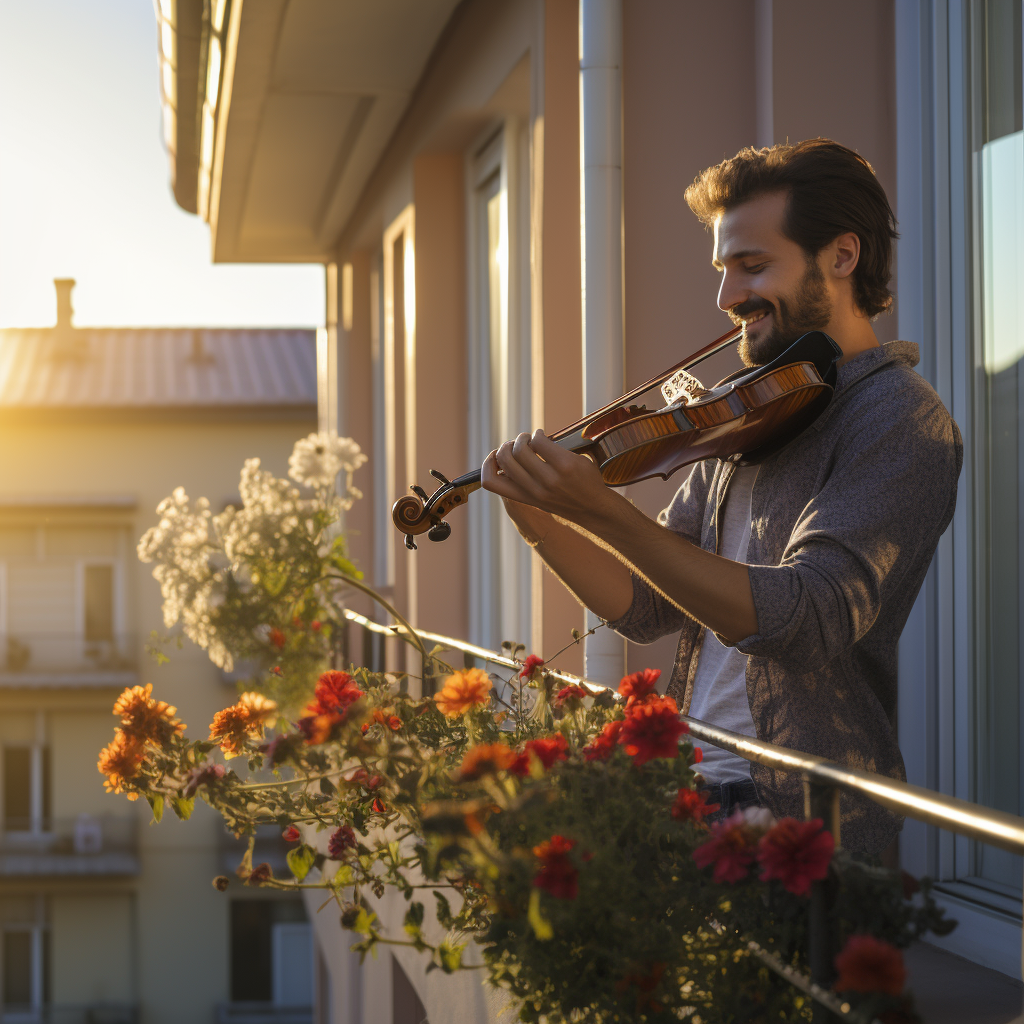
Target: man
789,582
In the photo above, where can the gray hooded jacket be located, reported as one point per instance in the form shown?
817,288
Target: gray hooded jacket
844,522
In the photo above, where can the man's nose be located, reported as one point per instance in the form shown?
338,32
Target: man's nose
730,293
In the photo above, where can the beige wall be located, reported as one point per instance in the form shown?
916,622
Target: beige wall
176,959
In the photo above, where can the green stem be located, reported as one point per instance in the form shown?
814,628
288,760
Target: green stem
413,639
291,782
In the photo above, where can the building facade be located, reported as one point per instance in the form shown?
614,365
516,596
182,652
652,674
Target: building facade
103,918
428,153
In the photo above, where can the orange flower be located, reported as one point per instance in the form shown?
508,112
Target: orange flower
120,761
393,722
486,759
462,691
244,720
144,719
640,686
318,728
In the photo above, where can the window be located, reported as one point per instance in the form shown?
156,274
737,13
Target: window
271,953
98,602
499,369
27,785
998,356
24,956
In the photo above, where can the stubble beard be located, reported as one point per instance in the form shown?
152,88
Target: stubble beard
810,309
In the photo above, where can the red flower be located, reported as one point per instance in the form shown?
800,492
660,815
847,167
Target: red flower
318,729
730,849
698,755
364,778
315,625
342,840
601,746
335,693
557,875
652,729
570,693
277,638
692,805
867,964
547,750
378,806
291,834
260,874
532,662
796,853
638,687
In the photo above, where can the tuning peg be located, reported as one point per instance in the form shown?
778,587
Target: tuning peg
439,531
419,492
409,542
440,477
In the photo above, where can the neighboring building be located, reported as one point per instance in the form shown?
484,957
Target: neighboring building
427,152
104,919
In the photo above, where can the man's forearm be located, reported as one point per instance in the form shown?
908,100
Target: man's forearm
595,576
713,590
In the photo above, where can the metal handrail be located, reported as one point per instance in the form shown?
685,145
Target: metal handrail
996,828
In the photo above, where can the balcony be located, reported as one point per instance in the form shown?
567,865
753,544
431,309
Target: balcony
67,659
62,847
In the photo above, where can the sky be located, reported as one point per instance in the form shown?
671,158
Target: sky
85,185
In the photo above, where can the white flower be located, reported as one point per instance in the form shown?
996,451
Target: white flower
316,460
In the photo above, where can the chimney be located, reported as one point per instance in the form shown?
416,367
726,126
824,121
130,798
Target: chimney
65,311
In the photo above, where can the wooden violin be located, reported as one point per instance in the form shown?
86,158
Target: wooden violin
744,418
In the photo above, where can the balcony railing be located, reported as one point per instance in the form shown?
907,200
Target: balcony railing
84,1013
38,658
822,780
82,846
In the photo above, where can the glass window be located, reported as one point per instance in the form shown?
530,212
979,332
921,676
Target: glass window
999,349
271,953
99,602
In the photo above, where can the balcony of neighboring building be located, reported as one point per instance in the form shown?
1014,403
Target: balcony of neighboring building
84,846
40,659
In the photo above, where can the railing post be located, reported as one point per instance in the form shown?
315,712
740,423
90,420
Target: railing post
822,801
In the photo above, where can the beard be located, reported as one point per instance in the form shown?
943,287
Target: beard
809,309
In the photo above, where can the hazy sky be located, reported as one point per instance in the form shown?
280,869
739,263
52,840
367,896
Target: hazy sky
85,189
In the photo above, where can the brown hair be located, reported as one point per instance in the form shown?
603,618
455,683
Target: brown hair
831,190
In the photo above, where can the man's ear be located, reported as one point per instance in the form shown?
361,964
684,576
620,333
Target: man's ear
844,255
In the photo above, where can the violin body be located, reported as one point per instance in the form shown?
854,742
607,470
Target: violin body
745,418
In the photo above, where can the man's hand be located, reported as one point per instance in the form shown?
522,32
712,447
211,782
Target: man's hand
535,471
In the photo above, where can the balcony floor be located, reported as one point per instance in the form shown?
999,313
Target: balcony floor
951,990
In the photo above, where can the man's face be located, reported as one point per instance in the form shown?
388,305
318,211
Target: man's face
768,284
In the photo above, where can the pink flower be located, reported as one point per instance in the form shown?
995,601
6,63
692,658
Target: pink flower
796,853
652,729
730,849
342,840
532,662
867,964
639,686
692,805
570,694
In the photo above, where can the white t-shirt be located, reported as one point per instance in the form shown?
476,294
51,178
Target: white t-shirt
720,685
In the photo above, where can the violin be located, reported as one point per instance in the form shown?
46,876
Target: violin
745,418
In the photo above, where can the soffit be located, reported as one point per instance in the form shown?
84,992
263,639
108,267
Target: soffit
317,90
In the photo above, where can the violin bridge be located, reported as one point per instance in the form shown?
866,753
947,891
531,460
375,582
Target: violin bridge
682,385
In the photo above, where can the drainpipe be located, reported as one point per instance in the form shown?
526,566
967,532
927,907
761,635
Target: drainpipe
601,250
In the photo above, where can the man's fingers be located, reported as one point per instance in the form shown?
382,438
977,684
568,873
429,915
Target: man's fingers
539,470
493,479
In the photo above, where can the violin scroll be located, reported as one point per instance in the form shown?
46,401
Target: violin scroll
415,513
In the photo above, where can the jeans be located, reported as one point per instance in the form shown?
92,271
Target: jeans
731,796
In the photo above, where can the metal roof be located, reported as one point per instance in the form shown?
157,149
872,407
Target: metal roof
153,368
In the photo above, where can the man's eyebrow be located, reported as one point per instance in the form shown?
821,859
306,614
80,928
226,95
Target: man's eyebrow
741,255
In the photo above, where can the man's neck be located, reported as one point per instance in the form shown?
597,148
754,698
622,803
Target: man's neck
853,335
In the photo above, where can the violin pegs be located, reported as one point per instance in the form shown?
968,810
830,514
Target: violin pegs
439,531
440,477
419,492
409,542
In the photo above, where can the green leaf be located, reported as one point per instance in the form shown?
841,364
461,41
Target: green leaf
182,806
540,924
156,801
451,956
300,860
364,922
444,910
413,920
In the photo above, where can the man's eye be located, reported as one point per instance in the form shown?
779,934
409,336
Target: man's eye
757,269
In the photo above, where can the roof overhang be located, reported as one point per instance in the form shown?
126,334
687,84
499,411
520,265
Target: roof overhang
309,95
